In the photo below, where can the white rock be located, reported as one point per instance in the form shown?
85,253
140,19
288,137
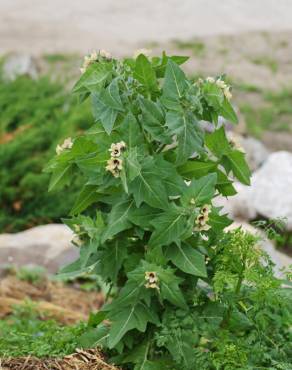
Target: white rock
256,152
19,65
270,193
271,187
48,246
238,206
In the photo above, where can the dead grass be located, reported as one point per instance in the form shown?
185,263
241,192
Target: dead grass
81,360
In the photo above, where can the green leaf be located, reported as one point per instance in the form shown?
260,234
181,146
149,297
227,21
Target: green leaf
218,222
159,64
61,176
139,355
94,337
123,177
175,82
87,196
128,294
172,293
147,187
130,131
94,77
118,219
153,120
103,113
75,269
201,190
187,259
239,166
214,95
111,96
169,227
194,168
218,143
144,72
95,318
143,216
181,348
224,185
154,365
112,258
132,317
188,132
133,165
174,183
228,112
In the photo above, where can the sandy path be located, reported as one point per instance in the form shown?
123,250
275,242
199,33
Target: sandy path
37,26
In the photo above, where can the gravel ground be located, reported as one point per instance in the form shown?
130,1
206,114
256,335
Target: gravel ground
38,26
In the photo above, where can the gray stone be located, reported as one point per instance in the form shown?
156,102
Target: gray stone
19,65
256,152
270,193
239,206
48,246
271,188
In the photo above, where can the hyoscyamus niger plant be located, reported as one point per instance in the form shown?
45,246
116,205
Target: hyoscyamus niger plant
185,294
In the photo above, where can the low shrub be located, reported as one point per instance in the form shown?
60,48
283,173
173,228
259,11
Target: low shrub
186,294
36,115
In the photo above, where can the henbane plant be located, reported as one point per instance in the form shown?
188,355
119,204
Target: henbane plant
145,218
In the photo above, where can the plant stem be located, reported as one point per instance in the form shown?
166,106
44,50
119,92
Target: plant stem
108,292
227,317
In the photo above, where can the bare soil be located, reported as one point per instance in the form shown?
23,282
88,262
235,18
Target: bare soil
65,303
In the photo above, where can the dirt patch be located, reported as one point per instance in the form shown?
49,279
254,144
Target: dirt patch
81,360
52,297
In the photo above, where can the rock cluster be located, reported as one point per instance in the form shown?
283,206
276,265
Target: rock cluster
49,246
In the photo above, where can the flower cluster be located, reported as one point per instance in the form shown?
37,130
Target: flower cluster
222,85
67,144
93,57
203,218
151,280
115,164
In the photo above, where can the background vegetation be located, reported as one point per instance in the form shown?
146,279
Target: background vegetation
36,115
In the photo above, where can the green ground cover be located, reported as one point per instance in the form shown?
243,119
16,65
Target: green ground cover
35,116
25,333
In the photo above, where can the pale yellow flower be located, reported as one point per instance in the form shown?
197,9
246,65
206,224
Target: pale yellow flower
88,60
67,144
205,227
114,165
105,54
227,93
77,241
206,209
203,218
151,280
210,79
117,148
220,83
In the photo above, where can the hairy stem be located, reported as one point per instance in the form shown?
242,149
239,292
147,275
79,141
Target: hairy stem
227,317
